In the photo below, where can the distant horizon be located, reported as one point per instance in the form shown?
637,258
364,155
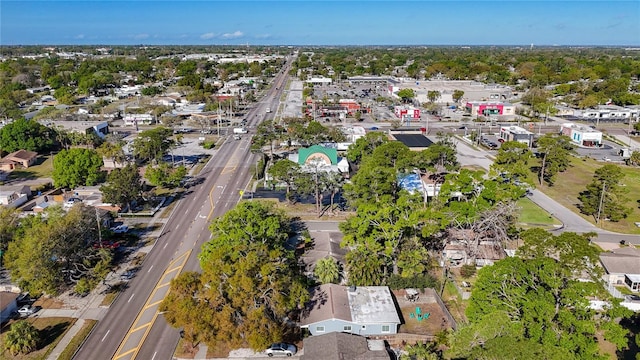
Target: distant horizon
320,23
543,46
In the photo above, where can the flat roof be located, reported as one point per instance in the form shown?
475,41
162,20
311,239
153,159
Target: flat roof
413,140
372,304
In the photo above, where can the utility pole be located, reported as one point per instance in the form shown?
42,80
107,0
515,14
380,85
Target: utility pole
604,185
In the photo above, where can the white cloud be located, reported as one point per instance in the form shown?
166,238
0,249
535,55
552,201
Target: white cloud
141,36
79,36
207,36
233,35
263,36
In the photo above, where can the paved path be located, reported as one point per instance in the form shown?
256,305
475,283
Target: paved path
570,220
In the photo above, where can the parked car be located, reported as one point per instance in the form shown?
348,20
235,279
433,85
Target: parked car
120,229
27,310
281,349
70,202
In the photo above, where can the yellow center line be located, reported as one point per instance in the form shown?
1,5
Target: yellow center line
164,284
153,304
124,354
135,327
141,327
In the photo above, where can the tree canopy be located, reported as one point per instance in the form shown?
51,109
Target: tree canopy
249,281
27,135
537,301
52,253
604,197
123,186
77,167
153,144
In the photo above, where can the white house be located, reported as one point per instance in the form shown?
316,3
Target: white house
139,119
12,199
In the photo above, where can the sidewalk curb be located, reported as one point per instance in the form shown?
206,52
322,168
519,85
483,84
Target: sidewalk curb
66,339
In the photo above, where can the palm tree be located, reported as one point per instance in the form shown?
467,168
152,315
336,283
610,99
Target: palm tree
327,270
22,338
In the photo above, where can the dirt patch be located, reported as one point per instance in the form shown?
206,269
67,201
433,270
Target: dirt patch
49,303
423,316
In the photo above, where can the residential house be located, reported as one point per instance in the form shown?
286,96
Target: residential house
342,346
363,310
14,196
622,267
8,305
20,158
466,249
99,128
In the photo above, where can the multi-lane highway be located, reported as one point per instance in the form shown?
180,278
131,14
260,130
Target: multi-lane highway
133,327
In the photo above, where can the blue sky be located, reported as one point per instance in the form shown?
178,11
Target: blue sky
328,22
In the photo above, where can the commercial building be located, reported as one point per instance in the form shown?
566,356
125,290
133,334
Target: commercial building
488,108
516,133
582,135
404,112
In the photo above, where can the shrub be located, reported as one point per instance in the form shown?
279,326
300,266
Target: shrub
467,271
422,281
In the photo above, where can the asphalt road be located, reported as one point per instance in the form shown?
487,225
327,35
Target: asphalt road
133,328
571,221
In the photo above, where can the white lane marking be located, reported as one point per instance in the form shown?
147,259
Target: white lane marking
154,355
150,269
177,226
165,245
130,298
105,335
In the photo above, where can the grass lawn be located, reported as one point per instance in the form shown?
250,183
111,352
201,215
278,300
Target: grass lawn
569,184
42,168
533,215
75,343
51,332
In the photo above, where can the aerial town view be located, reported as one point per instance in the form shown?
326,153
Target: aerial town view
319,180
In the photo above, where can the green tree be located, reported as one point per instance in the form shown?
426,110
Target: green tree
55,251
635,158
540,296
327,270
406,94
113,151
556,151
249,281
457,95
433,95
22,338
512,160
365,145
123,186
27,135
285,171
77,167
165,175
153,144
605,197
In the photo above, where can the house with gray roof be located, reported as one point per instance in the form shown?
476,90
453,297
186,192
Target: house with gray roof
341,346
622,267
362,310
